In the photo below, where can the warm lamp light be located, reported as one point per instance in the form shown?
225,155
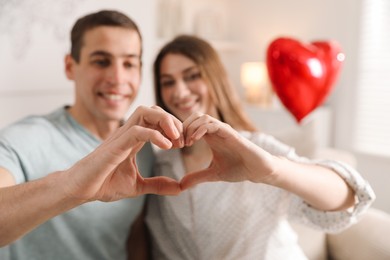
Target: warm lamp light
252,74
254,77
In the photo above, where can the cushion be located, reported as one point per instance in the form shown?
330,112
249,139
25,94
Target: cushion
367,239
312,242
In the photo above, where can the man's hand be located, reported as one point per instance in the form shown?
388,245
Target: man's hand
110,172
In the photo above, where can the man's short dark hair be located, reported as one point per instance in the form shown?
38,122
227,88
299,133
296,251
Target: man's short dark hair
91,21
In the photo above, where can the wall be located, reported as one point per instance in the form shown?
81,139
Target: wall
32,76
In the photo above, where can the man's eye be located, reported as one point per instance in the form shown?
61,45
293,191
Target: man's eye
167,83
130,65
101,63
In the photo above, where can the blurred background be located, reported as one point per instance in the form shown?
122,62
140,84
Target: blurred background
353,124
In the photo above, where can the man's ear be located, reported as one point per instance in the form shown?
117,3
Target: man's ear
69,66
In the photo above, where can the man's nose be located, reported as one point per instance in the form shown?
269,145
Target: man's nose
116,74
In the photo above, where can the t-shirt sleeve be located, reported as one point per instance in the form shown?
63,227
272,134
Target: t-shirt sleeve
9,160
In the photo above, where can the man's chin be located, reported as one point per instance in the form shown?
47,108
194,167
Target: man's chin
115,117
116,112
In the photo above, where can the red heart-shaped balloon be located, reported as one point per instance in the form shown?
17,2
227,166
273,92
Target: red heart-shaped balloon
302,74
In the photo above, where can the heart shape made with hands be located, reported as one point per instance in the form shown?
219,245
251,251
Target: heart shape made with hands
303,74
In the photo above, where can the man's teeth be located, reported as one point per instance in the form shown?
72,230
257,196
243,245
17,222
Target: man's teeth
113,96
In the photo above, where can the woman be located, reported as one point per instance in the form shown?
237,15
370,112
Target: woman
246,220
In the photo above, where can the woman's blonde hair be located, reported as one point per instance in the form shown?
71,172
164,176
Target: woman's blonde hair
222,93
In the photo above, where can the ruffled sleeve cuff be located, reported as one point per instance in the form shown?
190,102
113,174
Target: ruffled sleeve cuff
336,221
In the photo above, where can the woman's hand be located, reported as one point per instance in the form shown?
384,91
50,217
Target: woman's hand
234,157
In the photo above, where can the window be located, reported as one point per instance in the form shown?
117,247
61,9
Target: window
372,125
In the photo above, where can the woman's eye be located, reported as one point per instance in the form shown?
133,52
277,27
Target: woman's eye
193,76
167,83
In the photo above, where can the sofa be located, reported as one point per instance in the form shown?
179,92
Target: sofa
365,240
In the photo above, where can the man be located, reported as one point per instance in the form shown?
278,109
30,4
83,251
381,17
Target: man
57,170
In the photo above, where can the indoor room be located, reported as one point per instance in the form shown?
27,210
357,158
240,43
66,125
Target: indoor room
347,119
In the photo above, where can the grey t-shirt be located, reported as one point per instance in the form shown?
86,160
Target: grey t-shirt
38,145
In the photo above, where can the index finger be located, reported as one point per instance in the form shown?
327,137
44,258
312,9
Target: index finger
158,119
175,124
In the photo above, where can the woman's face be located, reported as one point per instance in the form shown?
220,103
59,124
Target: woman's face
183,90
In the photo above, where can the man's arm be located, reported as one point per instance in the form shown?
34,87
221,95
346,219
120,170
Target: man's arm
27,205
109,173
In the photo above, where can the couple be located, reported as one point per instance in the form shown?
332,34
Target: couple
58,171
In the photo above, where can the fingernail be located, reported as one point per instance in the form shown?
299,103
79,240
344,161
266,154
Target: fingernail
169,143
176,132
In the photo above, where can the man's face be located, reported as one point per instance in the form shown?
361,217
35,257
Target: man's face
108,75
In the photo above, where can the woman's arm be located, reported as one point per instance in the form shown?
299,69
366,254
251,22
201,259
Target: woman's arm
320,187
236,158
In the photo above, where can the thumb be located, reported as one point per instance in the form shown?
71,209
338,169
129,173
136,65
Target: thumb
195,178
160,185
